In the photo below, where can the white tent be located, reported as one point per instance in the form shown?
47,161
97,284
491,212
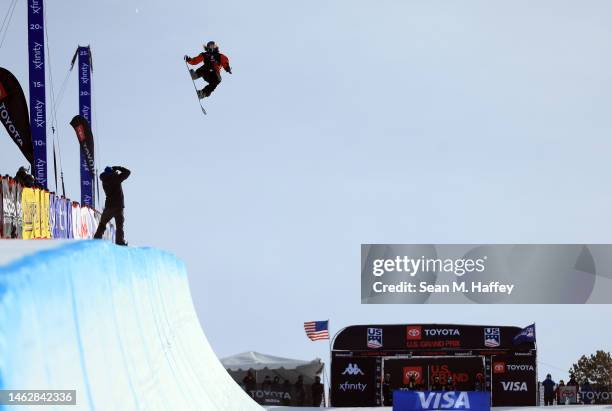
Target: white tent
264,364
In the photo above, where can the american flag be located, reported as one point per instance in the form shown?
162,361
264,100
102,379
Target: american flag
317,330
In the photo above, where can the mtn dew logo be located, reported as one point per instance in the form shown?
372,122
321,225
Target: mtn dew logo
436,401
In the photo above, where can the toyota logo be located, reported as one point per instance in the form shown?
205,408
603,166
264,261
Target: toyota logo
499,367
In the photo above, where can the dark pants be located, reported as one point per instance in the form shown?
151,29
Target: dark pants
211,77
108,214
548,399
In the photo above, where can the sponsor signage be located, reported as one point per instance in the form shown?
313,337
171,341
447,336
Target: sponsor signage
87,175
432,337
280,394
375,338
568,395
492,337
354,381
38,103
444,372
352,369
462,370
14,113
473,356
414,332
412,372
514,385
433,401
271,396
428,337
513,380
520,367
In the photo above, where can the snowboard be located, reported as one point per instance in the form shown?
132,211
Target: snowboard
195,88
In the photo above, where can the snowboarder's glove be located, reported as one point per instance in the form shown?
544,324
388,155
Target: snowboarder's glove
229,70
186,57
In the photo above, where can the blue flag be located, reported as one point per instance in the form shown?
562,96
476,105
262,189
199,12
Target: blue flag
437,400
527,334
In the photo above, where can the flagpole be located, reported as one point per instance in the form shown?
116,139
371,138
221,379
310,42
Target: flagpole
314,334
535,354
328,375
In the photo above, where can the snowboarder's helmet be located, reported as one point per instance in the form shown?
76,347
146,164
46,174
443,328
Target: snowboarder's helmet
108,169
211,46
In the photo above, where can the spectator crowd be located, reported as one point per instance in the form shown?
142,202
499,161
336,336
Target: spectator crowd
286,393
572,392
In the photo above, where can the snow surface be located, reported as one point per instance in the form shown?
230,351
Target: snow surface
11,250
557,408
115,323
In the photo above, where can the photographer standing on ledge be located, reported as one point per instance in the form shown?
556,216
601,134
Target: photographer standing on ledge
112,177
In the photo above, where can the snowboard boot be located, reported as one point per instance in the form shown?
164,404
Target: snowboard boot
202,94
123,243
193,74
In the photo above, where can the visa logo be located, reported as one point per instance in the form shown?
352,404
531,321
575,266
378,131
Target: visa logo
446,400
514,386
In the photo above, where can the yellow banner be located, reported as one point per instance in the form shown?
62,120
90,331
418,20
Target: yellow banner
45,230
29,206
37,217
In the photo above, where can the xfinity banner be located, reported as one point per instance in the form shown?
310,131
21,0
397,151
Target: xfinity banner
38,117
354,381
87,176
435,400
486,274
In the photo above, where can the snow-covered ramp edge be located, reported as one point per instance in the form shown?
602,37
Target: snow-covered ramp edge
116,324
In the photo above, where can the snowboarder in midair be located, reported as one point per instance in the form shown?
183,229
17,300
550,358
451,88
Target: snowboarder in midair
210,70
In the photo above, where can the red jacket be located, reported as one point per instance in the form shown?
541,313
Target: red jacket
214,60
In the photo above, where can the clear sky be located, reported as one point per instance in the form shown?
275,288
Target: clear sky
345,122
